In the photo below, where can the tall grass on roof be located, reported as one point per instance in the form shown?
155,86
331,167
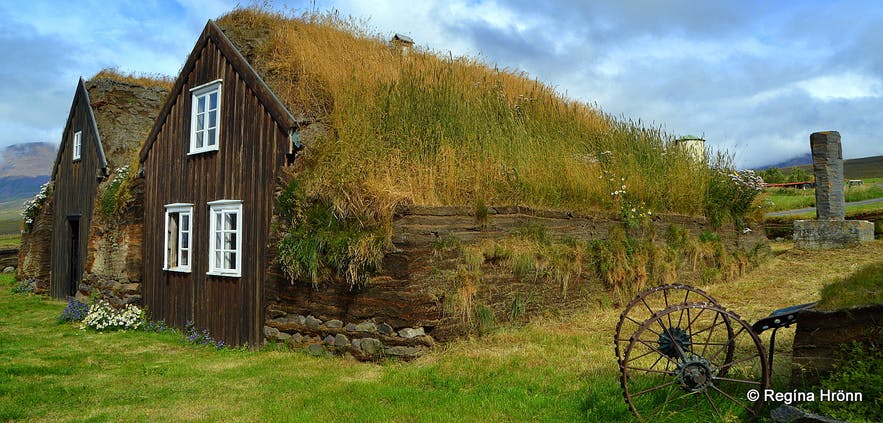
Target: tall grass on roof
431,129
150,80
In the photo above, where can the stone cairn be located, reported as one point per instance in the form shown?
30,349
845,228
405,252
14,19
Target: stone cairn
830,229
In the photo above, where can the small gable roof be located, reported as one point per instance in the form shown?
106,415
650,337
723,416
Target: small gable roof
82,94
260,88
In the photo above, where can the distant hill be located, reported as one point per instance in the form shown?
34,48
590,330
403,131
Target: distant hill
27,159
863,168
803,160
23,168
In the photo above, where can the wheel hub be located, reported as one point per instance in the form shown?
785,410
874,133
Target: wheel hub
679,340
695,373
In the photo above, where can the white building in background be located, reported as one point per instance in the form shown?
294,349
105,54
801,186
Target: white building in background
694,145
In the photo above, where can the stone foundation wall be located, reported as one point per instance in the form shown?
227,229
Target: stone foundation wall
113,261
34,254
419,289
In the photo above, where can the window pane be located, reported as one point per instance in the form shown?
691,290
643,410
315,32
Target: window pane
185,222
213,101
199,139
218,240
230,221
200,121
185,258
218,260
219,216
213,119
185,240
200,108
229,261
229,240
211,137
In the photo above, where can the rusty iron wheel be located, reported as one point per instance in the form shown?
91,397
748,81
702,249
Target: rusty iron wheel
649,302
695,361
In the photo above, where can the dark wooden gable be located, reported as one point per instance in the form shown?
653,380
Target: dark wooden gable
76,182
214,35
254,138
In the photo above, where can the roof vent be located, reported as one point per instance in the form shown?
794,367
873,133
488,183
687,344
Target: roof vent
404,43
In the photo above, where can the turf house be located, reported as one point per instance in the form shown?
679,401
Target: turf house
311,183
80,232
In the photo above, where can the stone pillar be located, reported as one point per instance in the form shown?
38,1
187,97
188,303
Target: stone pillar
827,165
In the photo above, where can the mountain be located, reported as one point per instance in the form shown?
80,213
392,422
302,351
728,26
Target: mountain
802,160
23,168
27,159
862,168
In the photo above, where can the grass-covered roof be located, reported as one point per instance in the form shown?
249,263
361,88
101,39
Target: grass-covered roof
125,107
431,129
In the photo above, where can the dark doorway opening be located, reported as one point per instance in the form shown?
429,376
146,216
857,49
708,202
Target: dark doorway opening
74,263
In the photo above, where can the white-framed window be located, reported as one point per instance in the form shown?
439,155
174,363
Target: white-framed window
204,117
225,242
78,145
179,239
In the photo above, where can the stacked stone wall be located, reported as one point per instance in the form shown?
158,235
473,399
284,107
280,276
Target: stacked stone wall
34,253
416,290
113,261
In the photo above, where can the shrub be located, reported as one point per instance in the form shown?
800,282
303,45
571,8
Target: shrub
74,312
319,245
113,197
32,207
730,196
26,286
200,337
104,317
860,369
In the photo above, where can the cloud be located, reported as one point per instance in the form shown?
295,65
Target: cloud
755,77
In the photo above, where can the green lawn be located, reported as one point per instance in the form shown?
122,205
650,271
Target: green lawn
779,199
10,240
10,216
556,368
57,372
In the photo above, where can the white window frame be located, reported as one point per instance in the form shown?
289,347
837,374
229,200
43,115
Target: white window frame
77,150
204,91
222,207
180,209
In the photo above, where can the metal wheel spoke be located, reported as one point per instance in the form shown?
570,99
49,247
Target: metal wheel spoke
710,331
728,379
713,405
644,355
740,361
650,370
732,399
656,350
655,388
731,341
650,309
665,298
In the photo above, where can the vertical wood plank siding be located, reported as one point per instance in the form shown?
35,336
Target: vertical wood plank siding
252,148
74,194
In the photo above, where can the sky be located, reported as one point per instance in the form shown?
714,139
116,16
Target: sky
754,78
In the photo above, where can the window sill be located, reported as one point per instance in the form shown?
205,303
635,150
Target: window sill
202,151
225,274
178,269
